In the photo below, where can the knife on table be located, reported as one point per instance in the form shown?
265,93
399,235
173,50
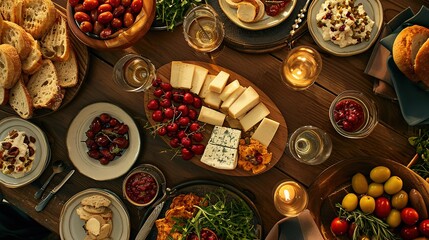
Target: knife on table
42,204
147,226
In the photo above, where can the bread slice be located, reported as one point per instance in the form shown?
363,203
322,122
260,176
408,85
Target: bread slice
44,88
96,201
406,47
67,71
421,65
16,36
4,96
261,11
20,100
11,10
55,43
233,3
10,66
246,12
33,62
38,16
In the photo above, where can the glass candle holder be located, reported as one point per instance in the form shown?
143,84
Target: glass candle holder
290,198
134,73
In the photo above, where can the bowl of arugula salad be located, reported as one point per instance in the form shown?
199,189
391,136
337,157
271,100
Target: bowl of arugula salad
170,13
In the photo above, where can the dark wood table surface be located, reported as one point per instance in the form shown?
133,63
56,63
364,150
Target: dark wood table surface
310,107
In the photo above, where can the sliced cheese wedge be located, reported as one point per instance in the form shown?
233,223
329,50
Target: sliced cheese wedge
231,99
186,76
254,116
266,131
213,100
229,89
205,88
200,75
219,82
175,73
211,116
247,100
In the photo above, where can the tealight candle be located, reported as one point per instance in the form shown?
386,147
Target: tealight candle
290,198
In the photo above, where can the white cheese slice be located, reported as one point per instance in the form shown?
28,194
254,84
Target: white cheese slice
211,116
176,67
231,99
229,89
185,76
212,99
266,131
247,100
200,75
218,84
225,136
220,157
205,88
254,116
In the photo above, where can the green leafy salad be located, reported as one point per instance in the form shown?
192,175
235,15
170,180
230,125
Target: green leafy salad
172,12
421,143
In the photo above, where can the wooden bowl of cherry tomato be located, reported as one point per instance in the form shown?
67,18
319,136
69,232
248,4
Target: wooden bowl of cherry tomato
110,24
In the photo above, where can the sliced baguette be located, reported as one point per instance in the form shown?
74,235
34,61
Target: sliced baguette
4,96
20,100
67,71
16,36
421,65
246,12
233,3
10,66
33,62
261,11
55,43
38,16
11,10
44,88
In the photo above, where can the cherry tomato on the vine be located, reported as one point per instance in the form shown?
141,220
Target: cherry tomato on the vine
424,227
382,207
339,226
409,216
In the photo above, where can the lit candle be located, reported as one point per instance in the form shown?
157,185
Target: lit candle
287,194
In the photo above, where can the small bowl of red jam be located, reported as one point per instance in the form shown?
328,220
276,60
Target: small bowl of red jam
142,185
353,115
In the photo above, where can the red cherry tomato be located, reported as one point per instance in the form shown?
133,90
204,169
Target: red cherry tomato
105,18
339,226
73,3
104,8
136,6
90,4
424,227
81,17
86,26
409,216
351,230
409,232
382,207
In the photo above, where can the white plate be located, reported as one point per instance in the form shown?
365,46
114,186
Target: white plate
42,150
71,226
264,23
374,10
78,151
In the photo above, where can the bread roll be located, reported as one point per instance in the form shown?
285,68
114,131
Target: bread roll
405,48
421,65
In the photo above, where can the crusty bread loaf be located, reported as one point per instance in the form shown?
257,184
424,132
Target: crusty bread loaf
4,96
67,71
55,43
44,88
405,48
96,201
33,62
421,65
11,10
20,100
10,66
38,16
16,36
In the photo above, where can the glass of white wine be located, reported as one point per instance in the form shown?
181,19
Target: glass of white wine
310,145
301,67
203,30
134,73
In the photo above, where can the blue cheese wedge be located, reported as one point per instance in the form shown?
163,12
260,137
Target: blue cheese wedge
225,136
220,157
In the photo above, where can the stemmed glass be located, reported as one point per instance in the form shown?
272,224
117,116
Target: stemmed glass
203,30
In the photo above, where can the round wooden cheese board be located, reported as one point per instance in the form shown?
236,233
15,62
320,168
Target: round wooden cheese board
277,145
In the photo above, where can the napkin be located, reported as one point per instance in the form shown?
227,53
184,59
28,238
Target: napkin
301,227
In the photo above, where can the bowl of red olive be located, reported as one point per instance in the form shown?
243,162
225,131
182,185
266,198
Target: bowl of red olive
110,24
142,185
353,115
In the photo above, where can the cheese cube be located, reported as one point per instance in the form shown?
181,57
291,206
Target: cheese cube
185,76
254,116
266,131
219,82
247,100
211,116
225,136
205,88
175,73
220,157
231,99
200,75
229,89
212,99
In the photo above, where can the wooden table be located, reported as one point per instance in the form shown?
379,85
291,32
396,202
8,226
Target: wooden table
310,107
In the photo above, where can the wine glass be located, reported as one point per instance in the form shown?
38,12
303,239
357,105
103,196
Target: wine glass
134,73
203,30
301,67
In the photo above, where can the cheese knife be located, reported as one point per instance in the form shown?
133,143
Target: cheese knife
42,204
147,226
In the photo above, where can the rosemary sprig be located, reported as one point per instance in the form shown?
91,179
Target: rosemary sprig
367,224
